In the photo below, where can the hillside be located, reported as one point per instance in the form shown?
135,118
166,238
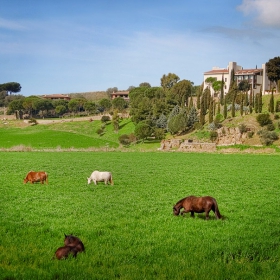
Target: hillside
81,133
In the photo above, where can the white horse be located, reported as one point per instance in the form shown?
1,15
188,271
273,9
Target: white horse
97,176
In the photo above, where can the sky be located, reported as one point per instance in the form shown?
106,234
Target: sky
68,46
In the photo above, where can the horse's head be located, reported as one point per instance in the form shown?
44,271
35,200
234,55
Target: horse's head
88,180
176,210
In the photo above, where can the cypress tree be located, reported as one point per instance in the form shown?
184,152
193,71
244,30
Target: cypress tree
222,91
256,103
225,109
271,103
202,108
242,104
198,101
210,114
233,108
260,101
251,100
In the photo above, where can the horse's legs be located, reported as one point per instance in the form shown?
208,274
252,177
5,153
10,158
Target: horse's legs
207,214
185,211
192,214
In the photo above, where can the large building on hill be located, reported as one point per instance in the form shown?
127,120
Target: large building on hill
257,77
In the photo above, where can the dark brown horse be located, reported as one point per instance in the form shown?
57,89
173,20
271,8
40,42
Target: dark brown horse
195,204
63,252
75,242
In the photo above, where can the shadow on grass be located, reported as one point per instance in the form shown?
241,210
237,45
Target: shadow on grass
124,124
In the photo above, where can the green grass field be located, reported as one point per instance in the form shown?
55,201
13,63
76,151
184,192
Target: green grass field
128,229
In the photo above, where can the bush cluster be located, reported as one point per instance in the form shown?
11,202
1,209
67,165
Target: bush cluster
267,137
127,139
264,119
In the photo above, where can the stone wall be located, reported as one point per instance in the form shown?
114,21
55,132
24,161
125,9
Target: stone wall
230,136
186,146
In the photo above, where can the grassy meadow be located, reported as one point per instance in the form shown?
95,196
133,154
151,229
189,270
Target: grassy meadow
128,229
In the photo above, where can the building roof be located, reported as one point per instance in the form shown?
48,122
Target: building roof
248,71
216,71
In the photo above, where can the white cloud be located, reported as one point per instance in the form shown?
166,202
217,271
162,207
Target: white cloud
11,25
266,12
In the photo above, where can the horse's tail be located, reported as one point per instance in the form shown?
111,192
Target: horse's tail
111,180
217,212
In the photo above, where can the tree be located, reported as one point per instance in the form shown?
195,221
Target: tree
211,113
273,70
168,81
28,104
115,121
225,109
16,107
271,103
119,103
182,90
90,107
43,105
145,84
60,110
142,130
217,87
192,117
105,103
111,90
210,80
11,87
222,95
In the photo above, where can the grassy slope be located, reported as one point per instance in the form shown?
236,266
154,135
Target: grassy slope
83,135
128,229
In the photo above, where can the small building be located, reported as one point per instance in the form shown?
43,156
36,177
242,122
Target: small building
57,97
122,94
257,77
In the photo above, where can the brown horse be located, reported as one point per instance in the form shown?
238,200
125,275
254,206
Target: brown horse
63,252
198,205
75,242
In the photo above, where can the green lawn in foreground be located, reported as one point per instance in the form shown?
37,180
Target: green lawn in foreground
128,229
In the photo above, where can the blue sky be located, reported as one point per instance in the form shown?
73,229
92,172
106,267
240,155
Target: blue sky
66,46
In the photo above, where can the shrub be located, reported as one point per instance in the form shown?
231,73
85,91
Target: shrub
270,127
213,135
263,119
105,119
267,137
212,126
219,118
276,117
100,131
159,133
142,130
33,121
277,106
250,134
242,128
126,139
